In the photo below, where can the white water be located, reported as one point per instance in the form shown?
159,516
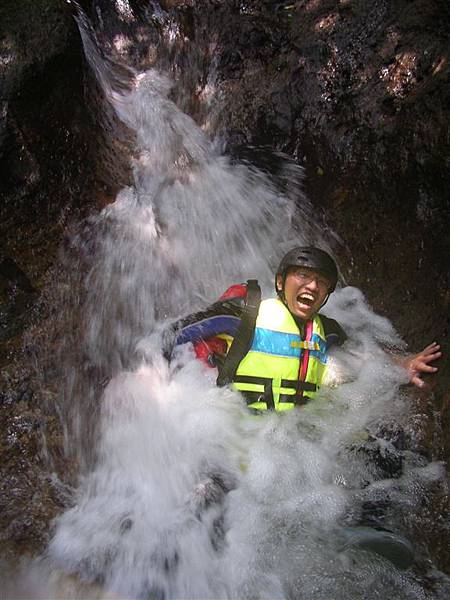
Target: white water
191,224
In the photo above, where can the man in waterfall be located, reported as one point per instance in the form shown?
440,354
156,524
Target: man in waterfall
275,353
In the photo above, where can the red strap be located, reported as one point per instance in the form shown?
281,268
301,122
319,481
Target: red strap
204,348
305,356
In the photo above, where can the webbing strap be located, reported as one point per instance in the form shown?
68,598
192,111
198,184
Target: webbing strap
252,397
299,385
304,361
285,383
244,335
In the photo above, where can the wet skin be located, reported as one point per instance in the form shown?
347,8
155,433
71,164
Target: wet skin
305,291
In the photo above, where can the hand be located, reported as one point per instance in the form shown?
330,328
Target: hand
417,364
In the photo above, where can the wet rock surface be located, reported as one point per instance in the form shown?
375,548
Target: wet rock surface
356,92
46,176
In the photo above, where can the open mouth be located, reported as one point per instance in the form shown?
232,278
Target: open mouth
307,299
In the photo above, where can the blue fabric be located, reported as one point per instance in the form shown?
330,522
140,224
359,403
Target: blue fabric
267,341
207,328
286,344
276,342
321,354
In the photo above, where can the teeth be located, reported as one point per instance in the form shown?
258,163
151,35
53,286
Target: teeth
307,297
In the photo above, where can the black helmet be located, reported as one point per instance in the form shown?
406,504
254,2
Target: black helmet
310,258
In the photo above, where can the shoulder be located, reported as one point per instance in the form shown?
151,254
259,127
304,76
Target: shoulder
334,333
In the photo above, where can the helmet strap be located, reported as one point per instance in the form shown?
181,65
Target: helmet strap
326,300
280,293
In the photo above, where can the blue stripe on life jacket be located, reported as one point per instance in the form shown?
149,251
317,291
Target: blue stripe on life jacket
321,352
265,340
276,342
319,355
287,344
207,328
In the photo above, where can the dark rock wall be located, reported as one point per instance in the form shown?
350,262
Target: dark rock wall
358,92
355,91
46,180
44,149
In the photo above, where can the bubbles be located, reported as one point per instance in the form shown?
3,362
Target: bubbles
136,522
349,307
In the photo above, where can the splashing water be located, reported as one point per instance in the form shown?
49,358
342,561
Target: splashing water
190,496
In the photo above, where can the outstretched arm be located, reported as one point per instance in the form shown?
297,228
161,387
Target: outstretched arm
418,364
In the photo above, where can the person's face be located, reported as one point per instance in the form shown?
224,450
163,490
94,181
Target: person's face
304,290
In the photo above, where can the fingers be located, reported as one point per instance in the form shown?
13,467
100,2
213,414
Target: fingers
428,354
417,381
434,356
431,349
419,363
423,367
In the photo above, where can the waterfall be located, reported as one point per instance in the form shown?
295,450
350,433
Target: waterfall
192,222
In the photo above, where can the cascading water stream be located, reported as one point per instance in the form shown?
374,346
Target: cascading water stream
192,223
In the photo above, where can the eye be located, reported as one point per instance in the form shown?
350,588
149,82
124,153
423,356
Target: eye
323,282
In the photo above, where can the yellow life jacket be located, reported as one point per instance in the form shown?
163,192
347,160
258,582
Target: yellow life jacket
282,370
